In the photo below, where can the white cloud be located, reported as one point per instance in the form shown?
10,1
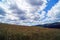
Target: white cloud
53,15
1,16
11,17
20,8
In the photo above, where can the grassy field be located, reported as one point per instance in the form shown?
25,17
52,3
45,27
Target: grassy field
15,32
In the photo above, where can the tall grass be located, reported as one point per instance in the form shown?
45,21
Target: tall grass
9,32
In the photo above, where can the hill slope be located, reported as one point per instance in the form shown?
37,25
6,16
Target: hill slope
51,25
15,32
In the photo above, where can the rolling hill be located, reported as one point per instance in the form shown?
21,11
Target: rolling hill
17,32
51,25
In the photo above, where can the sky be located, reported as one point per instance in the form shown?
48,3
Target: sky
29,13
50,4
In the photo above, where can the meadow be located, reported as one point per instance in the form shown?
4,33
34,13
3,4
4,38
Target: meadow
17,32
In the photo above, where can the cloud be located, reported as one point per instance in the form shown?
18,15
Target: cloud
22,13
35,2
53,15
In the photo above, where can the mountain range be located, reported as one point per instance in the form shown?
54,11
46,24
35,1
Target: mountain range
51,25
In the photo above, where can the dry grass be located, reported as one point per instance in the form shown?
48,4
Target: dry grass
15,32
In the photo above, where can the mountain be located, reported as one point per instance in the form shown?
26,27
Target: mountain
51,25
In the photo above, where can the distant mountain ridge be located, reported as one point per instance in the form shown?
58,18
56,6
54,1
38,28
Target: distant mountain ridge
51,25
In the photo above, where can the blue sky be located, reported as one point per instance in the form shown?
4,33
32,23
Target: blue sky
0,0
50,4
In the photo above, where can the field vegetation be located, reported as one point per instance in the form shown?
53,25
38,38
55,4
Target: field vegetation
15,32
